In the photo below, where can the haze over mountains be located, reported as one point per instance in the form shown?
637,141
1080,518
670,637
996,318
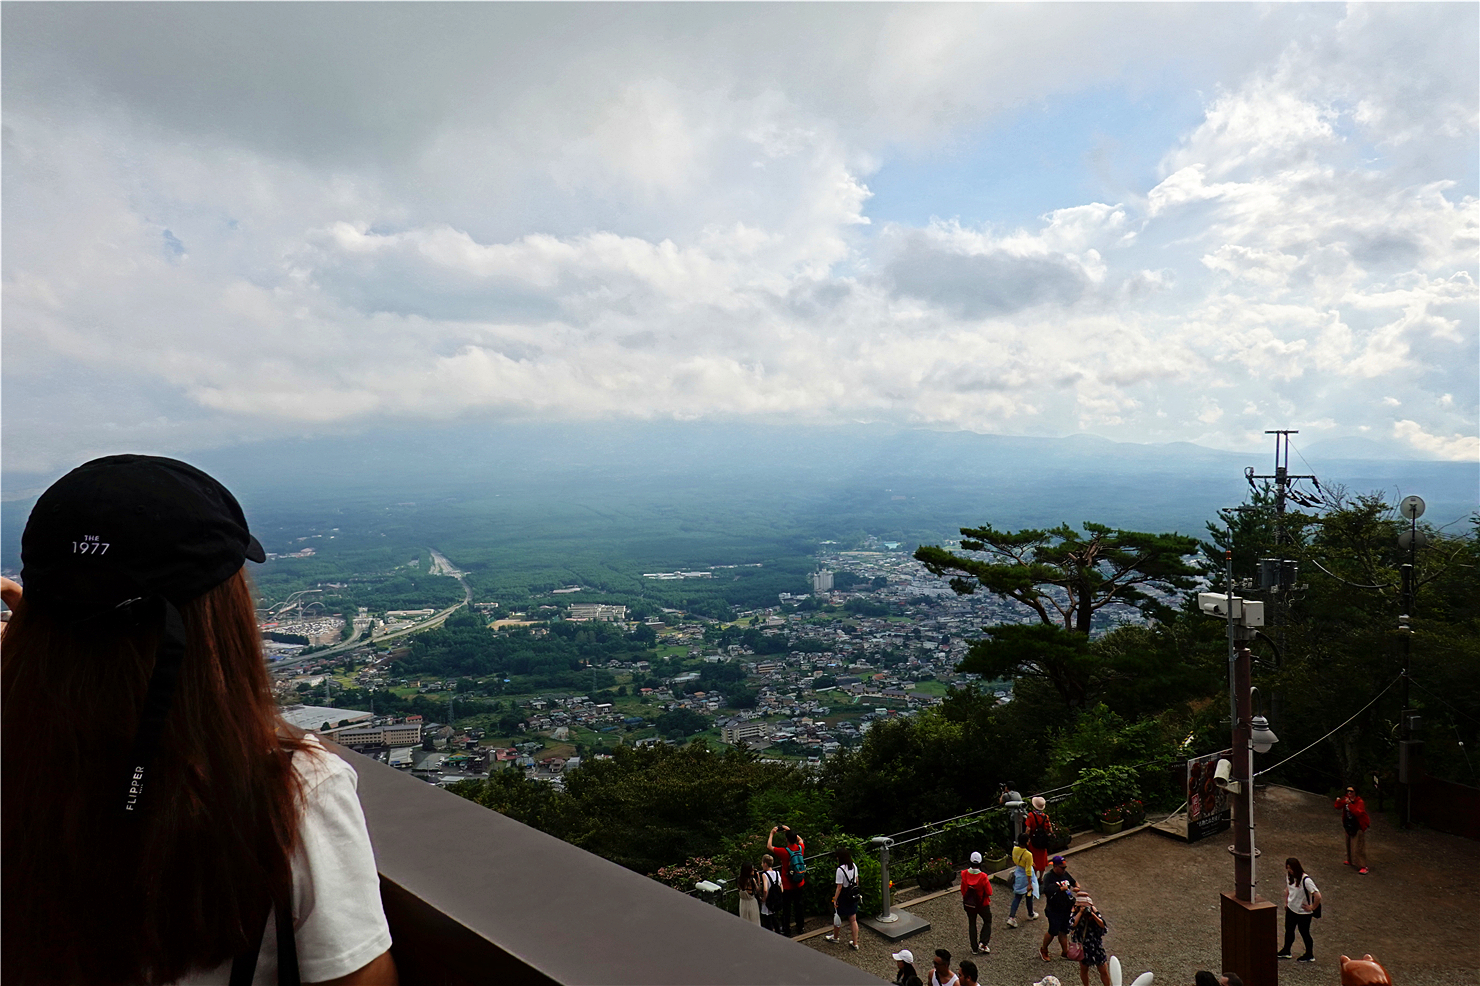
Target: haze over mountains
894,483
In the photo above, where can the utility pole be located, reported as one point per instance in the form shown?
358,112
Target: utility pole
1278,574
1412,508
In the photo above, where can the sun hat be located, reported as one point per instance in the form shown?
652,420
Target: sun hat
1048,981
1039,803
904,955
976,857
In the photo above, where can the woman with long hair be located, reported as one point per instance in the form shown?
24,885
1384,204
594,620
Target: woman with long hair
845,897
1302,900
750,906
161,824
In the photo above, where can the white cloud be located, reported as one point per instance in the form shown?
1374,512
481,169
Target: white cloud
678,225
1462,448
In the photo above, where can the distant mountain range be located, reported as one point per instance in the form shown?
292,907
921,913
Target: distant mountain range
902,482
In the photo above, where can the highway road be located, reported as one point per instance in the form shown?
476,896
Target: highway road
440,566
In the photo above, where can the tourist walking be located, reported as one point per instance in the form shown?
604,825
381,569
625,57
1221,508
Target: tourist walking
976,901
1087,927
1039,830
771,894
1355,821
1302,903
791,853
1025,884
845,897
940,969
905,974
750,905
177,829
1058,906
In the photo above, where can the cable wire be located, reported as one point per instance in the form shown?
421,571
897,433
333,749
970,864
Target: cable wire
1354,585
1451,708
1334,731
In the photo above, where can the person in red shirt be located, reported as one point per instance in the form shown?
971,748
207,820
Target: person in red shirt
1355,820
976,901
1038,829
792,880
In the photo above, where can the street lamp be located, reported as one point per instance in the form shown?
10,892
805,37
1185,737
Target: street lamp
1249,923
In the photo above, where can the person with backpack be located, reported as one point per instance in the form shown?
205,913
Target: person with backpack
976,900
1355,821
845,896
770,894
1302,903
1039,829
177,830
792,854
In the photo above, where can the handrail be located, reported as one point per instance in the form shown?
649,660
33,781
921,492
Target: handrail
473,896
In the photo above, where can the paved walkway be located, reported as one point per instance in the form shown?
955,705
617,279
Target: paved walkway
1418,911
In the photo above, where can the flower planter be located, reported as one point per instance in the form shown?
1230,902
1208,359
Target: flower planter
935,881
1131,821
997,865
1109,828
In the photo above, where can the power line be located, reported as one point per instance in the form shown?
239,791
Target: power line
1451,708
1354,585
1334,731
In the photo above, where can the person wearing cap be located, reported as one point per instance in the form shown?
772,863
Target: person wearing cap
904,961
1087,927
976,901
176,830
1038,828
1058,889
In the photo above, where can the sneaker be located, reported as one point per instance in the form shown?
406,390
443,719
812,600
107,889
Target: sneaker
1012,922
986,949
853,945
1363,871
1283,955
1346,862
1307,957
831,938
1032,916
975,950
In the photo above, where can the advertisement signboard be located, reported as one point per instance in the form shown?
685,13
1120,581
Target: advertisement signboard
1208,809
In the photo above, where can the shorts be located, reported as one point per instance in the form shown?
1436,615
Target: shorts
847,910
1058,922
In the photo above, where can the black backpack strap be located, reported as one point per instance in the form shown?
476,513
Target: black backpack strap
287,947
244,966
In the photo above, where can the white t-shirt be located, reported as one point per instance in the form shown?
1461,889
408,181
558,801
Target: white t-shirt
846,876
339,921
1295,894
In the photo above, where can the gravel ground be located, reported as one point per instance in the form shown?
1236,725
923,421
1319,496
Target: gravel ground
1160,898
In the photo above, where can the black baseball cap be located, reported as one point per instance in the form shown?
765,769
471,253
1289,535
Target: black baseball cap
125,526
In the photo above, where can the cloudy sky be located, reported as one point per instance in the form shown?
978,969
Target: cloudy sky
1148,222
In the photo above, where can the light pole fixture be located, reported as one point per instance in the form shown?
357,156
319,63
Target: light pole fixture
1249,923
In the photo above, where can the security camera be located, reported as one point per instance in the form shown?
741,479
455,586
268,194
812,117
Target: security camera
1217,604
1221,777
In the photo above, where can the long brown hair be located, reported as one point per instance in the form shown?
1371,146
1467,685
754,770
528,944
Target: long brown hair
89,899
